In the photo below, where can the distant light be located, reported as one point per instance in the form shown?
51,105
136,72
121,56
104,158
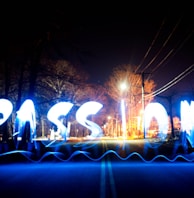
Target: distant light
109,117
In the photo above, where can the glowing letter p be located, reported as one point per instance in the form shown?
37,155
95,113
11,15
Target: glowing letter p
6,108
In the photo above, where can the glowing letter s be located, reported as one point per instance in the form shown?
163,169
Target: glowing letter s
55,112
84,111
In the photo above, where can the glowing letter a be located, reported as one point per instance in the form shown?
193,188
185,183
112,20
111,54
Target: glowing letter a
25,123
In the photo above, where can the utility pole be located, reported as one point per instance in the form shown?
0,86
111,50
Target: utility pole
143,103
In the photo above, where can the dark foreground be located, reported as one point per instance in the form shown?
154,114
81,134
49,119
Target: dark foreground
97,179
106,169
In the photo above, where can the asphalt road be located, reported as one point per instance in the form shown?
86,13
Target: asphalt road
98,170
97,179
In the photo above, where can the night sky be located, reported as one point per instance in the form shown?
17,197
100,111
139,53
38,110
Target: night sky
158,39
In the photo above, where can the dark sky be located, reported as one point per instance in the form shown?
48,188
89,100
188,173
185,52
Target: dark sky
159,39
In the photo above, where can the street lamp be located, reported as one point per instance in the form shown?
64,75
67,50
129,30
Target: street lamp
123,86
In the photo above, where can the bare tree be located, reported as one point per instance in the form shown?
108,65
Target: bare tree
131,93
59,81
14,86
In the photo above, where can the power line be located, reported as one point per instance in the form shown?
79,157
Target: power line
171,52
164,44
172,82
160,50
152,44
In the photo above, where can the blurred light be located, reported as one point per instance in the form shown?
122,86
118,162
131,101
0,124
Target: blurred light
109,117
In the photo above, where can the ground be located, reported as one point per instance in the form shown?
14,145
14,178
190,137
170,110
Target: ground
78,169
